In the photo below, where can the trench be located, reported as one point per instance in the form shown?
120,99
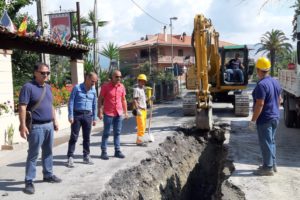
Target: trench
191,164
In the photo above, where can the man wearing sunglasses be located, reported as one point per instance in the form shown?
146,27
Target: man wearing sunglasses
37,94
111,106
82,113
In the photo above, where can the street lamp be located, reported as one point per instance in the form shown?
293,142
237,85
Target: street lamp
172,18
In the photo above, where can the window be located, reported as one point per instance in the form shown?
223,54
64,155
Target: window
180,52
144,53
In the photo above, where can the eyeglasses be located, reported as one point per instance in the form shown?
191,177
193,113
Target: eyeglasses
118,76
45,73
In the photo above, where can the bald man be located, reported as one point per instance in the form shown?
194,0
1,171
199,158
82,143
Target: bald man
112,106
82,113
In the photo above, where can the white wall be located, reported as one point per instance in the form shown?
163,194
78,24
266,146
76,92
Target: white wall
7,119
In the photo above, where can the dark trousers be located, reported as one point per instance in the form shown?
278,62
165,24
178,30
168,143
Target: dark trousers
83,120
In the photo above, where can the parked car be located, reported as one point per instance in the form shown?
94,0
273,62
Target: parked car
189,105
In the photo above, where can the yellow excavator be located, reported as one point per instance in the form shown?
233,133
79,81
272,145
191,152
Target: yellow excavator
208,75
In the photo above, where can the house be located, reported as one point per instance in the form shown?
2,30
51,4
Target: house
157,50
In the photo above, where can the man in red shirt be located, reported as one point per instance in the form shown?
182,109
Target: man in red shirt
111,106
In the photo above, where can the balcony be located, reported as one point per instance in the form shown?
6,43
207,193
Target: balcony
161,60
176,59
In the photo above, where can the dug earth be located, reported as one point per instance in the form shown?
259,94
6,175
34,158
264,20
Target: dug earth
191,164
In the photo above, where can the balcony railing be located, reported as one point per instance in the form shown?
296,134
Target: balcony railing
161,59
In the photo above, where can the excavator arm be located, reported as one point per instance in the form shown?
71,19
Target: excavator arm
205,41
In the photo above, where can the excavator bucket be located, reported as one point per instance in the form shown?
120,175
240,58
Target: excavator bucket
204,118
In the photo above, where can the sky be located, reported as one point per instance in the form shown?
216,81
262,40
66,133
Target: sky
237,21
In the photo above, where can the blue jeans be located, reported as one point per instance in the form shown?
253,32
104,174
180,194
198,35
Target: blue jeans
233,73
266,137
41,135
83,120
116,122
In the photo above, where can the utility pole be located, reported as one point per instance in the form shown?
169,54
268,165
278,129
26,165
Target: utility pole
40,5
97,66
172,55
95,32
149,50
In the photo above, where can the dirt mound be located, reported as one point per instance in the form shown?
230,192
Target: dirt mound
188,165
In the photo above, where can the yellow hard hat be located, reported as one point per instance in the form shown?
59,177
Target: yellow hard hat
142,77
263,64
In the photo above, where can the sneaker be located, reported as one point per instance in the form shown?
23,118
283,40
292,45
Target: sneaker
70,162
274,168
119,154
104,155
52,179
263,171
29,188
88,160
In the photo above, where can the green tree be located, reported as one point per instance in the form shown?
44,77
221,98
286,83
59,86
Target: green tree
60,70
86,22
111,51
23,61
14,7
274,43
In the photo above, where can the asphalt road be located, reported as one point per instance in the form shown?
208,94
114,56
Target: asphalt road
84,179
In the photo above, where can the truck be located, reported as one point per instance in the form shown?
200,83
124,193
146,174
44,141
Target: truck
208,77
290,82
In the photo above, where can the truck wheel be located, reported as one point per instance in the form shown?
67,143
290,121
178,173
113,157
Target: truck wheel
297,120
288,114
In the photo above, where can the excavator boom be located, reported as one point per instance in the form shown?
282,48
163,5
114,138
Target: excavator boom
205,41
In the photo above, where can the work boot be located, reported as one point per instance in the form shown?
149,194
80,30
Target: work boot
141,142
119,154
87,160
52,179
104,155
70,162
264,171
29,188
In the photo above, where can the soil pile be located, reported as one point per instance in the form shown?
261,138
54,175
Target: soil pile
189,165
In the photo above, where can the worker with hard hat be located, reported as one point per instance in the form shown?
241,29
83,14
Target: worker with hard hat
265,119
140,109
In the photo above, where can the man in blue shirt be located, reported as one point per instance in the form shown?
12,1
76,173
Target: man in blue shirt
266,97
43,121
234,69
82,113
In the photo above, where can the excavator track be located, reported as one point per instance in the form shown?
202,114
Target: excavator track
241,105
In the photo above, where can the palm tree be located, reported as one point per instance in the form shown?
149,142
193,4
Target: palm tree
111,51
273,43
90,21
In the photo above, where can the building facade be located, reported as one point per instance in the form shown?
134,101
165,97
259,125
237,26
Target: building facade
157,50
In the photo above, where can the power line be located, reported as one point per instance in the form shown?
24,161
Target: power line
137,5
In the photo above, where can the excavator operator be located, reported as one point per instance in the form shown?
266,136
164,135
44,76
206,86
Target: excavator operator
234,69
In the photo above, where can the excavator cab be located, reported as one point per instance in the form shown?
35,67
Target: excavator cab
234,75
